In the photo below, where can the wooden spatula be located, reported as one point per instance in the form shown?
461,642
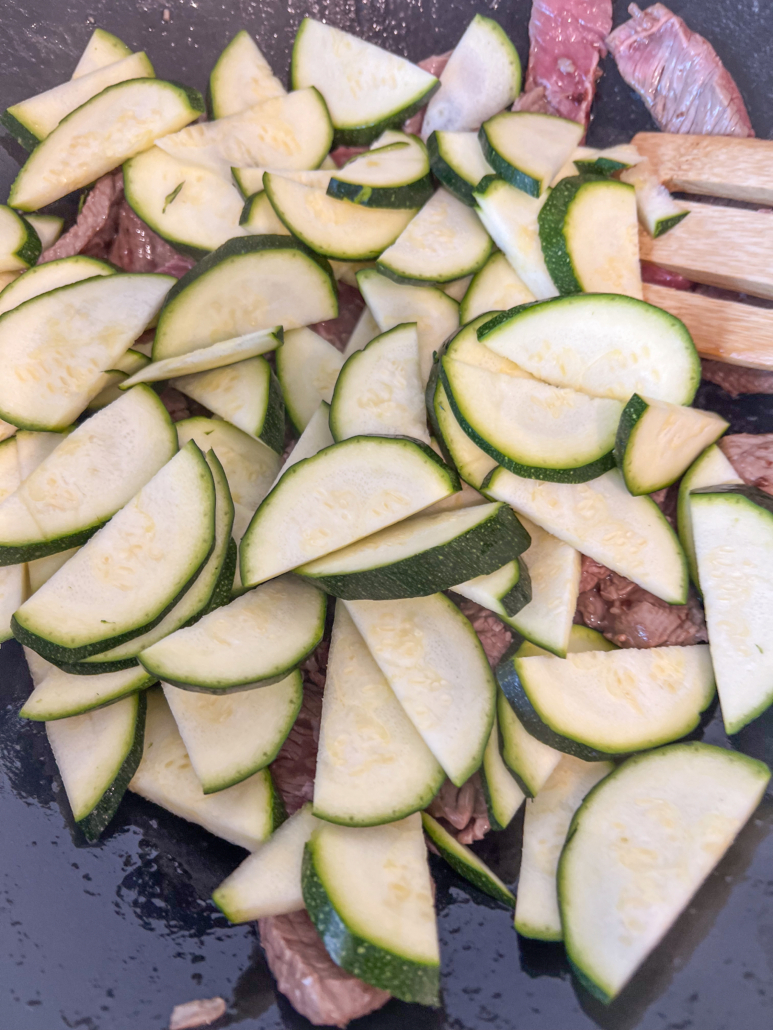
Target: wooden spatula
721,246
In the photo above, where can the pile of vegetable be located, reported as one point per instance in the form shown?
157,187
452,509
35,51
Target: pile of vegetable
506,403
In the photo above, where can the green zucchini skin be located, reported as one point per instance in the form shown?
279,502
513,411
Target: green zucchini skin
605,166
629,419
664,225
440,838
93,668
18,553
412,194
483,549
551,232
222,593
19,132
273,430
407,980
580,474
95,822
504,170
513,689
31,249
446,175
519,594
363,135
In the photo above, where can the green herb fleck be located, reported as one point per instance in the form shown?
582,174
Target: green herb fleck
171,197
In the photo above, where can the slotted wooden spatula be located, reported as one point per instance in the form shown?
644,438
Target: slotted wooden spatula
723,246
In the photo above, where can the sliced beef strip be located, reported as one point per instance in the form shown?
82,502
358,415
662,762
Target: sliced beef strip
751,456
315,986
135,247
493,634
737,380
462,810
338,330
177,266
179,406
96,224
657,276
678,74
566,40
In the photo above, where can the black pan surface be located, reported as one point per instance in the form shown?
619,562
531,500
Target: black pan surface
112,936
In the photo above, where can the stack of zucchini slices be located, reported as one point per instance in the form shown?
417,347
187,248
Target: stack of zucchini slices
506,403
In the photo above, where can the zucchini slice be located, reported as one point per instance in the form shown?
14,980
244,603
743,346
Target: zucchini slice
473,464
249,465
598,704
458,163
590,237
601,519
554,572
110,457
250,283
422,555
359,486
503,592
250,182
19,242
465,862
258,217
529,760
107,130
481,78
194,208
48,227
54,347
314,438
733,537
97,753
230,738
202,596
710,469
545,826
335,228
130,573
219,355
366,89
241,78
50,276
256,640
247,395
365,330
464,346
503,795
60,695
511,218
379,390
589,160
532,428
394,174
445,241
131,362
372,765
527,149
14,589
434,663
245,814
290,131
33,448
307,366
436,315
268,883
32,120
622,853
658,211
103,48
656,442
368,892
606,345
496,287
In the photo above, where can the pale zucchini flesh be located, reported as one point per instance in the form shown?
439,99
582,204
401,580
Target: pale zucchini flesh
372,765
658,211
107,130
496,287
268,883
434,663
379,390
366,88
14,588
473,464
241,78
368,892
656,442
465,862
97,754
360,486
335,228
733,537
131,572
504,591
61,695
503,795
258,217
48,383
458,162
251,283
307,366
257,639
50,276
312,440
606,345
531,761
444,241
245,814
227,352
545,826
365,330
103,48
19,242
618,891
710,469
48,227
230,738
394,174
527,149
